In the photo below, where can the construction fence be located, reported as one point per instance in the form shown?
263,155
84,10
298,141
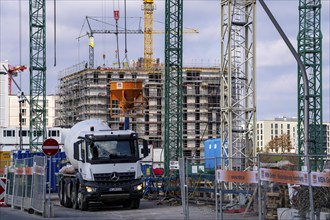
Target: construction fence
271,186
25,184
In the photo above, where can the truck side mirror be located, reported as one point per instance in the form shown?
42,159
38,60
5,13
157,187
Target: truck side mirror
76,151
145,148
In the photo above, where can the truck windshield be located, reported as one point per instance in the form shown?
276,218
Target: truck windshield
112,149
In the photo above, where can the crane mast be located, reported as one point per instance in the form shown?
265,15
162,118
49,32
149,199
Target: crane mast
37,17
310,52
173,83
148,8
237,81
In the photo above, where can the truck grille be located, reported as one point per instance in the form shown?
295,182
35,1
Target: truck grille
119,177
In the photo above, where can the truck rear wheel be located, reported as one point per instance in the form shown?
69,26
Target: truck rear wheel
67,200
60,192
74,198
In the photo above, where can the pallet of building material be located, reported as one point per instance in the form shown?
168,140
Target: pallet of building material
271,216
272,206
273,194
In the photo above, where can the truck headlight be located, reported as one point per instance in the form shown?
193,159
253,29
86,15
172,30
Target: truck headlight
90,189
138,187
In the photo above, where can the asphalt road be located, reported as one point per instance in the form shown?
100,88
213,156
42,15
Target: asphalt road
149,210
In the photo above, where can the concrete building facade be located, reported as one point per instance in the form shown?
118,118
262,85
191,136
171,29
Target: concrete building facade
267,130
13,116
84,93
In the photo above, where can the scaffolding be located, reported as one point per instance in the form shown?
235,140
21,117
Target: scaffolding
85,93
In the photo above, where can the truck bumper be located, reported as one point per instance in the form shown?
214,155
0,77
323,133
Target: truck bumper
110,194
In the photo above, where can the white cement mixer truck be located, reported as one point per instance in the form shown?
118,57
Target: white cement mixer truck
105,167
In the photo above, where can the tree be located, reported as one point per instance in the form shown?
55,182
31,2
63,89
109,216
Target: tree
282,143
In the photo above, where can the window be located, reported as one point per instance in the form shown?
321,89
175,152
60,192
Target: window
24,133
23,121
9,133
53,133
96,77
23,112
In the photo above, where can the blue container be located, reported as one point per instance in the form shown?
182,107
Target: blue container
212,149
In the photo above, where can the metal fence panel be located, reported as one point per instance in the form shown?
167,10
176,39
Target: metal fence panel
205,187
10,185
284,183
18,183
39,183
27,184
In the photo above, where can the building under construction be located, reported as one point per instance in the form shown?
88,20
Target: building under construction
111,94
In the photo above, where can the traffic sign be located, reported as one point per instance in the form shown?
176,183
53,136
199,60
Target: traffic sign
50,147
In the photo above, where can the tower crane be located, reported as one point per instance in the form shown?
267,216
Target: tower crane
148,8
92,31
11,72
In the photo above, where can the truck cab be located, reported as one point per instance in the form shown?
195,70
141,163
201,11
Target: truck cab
108,170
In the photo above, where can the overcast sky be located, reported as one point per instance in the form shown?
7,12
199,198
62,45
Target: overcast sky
276,68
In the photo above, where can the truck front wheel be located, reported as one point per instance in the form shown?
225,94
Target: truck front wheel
132,204
83,205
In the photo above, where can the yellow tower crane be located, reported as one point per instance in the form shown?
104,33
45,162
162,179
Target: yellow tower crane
148,8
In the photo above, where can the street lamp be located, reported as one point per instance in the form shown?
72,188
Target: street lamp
21,99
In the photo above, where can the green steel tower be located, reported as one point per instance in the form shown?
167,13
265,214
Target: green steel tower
173,83
37,12
310,52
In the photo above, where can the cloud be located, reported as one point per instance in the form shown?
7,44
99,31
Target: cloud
276,68
274,53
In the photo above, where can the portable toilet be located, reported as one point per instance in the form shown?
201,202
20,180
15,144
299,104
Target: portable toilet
212,153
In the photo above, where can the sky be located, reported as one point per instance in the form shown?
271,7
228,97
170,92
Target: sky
276,69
